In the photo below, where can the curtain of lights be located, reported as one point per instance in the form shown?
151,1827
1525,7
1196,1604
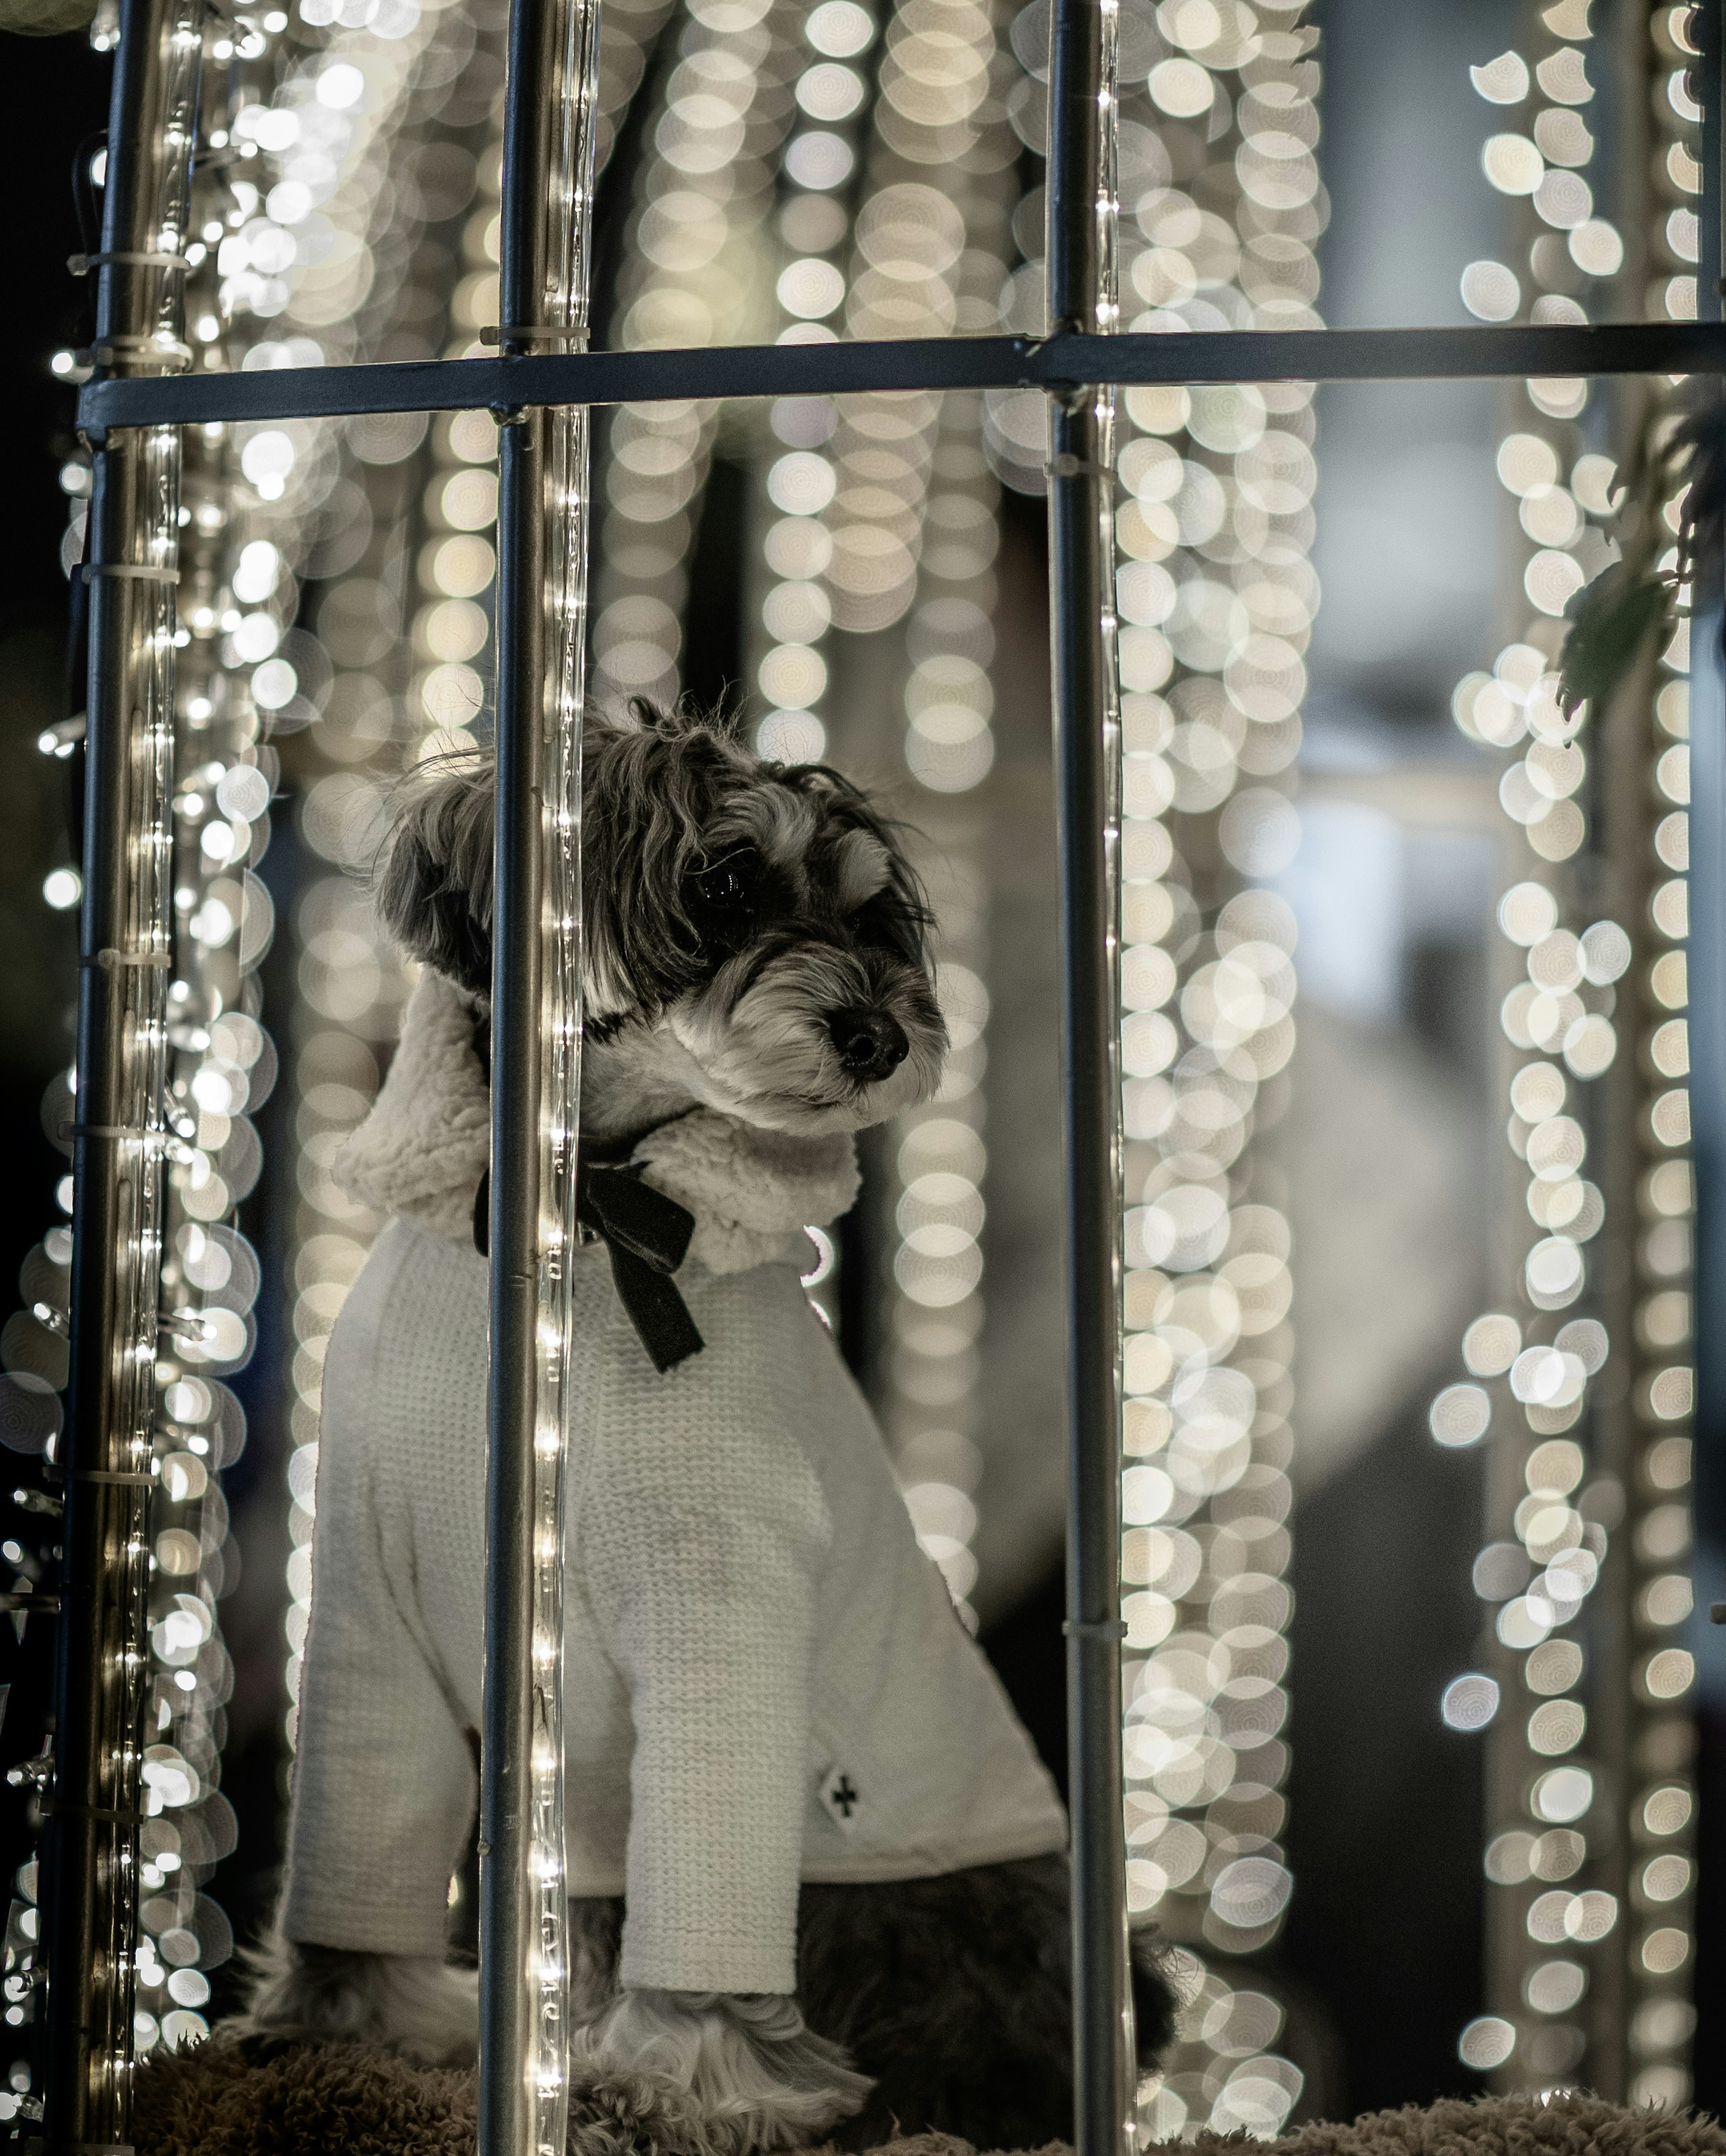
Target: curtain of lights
300,248
800,173
1580,1383
847,170
911,530
1215,597
186,931
123,1118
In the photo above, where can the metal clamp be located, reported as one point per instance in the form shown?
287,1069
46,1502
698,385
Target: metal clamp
145,348
80,265
1067,466
55,1810
111,961
110,1478
529,332
142,572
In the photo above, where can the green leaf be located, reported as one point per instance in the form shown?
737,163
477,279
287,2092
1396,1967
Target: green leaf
1609,621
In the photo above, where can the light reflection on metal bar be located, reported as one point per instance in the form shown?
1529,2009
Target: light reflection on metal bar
536,1027
1707,955
1087,748
1065,361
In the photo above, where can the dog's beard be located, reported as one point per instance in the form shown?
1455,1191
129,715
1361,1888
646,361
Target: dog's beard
767,1055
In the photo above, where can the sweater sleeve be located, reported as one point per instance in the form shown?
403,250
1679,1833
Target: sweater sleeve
383,1781
702,1528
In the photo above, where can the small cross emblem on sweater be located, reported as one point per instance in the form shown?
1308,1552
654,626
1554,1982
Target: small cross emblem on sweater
841,1796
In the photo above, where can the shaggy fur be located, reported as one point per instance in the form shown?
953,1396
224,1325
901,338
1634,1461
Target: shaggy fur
952,1993
428,1141
216,2102
760,2078
753,936
423,2011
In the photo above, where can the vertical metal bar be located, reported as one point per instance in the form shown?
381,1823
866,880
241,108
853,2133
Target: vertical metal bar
1081,127
506,1877
506,1895
119,1163
548,150
1708,1117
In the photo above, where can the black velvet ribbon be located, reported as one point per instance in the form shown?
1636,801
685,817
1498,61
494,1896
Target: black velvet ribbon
646,1236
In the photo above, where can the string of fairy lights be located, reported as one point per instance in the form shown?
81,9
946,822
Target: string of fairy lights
1589,1881
263,509
149,1688
230,684
1220,205
911,531
697,272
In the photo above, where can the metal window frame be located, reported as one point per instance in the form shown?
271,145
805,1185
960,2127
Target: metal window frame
1067,361
1068,365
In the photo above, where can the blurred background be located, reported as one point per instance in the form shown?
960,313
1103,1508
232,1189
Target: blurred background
871,582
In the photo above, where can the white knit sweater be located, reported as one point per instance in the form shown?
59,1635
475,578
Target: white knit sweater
764,1679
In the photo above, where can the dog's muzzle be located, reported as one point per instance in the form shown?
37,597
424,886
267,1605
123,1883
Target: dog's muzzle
871,1045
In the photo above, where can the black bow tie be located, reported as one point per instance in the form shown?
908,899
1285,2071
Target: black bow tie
646,1235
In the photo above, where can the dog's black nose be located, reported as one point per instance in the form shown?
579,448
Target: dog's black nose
870,1045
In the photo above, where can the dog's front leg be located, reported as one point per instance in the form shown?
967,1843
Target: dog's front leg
413,2005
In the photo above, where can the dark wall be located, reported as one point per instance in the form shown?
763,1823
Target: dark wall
53,95
1385,1802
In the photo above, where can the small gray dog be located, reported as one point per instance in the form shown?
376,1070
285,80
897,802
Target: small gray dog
817,1874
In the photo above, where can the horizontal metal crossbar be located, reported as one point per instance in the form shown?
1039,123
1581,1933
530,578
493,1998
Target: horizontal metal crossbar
815,370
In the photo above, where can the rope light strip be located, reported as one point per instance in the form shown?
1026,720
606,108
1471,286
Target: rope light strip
905,543
1600,1516
1215,599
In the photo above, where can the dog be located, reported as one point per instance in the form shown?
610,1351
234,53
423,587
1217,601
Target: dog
817,1874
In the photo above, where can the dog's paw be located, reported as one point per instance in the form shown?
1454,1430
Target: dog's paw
757,2077
417,2007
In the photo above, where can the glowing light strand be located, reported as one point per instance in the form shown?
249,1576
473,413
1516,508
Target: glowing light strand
1215,599
1603,1509
568,263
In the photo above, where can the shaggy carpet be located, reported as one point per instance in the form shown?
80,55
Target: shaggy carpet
342,2100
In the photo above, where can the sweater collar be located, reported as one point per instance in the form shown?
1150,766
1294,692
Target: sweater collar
422,1150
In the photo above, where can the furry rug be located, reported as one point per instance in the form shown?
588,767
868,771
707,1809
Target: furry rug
307,2101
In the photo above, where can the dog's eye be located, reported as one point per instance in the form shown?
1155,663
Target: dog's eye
876,918
731,885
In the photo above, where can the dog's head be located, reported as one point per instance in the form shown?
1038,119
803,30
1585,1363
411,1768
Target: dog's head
753,927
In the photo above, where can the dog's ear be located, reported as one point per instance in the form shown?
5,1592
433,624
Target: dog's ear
434,887
647,790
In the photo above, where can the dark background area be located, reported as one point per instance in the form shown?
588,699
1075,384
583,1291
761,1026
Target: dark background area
53,95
